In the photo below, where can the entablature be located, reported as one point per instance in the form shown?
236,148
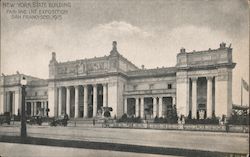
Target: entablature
165,92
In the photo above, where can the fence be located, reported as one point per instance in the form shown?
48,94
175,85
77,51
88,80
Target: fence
190,127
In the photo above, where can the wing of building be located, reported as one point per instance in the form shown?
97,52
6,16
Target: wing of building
200,82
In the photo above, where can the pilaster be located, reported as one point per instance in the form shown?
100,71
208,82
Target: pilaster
52,99
182,93
223,92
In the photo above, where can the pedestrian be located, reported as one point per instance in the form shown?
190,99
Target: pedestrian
93,121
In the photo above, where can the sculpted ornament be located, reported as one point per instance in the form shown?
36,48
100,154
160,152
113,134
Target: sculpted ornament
81,68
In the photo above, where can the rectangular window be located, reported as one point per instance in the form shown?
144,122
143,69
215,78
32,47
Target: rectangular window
169,86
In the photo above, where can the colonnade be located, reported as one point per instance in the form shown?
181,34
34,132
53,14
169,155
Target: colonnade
158,109
35,109
11,101
85,99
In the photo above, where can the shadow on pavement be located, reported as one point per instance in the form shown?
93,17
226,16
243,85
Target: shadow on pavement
115,147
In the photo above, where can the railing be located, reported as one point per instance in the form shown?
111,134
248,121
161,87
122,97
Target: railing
187,127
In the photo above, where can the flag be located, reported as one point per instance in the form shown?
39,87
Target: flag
244,84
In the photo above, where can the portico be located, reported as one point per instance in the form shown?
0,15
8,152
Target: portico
204,82
202,96
37,108
84,100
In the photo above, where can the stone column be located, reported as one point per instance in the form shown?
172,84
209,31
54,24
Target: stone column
160,107
125,105
26,106
14,106
76,102
68,101
18,99
42,106
46,107
35,108
105,95
60,101
154,107
85,101
194,97
31,108
94,100
7,105
173,100
137,110
142,107
209,97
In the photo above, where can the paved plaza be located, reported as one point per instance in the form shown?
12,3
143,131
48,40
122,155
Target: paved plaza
41,151
204,141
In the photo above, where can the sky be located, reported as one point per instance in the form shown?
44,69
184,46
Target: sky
147,32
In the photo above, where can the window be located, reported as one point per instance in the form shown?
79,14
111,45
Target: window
134,87
35,93
169,86
45,93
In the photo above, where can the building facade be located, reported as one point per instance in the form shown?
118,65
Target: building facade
200,83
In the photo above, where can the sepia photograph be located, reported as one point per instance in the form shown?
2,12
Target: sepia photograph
119,78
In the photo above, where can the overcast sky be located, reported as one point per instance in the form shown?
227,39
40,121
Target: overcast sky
148,32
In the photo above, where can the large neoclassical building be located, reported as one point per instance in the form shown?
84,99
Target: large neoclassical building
200,81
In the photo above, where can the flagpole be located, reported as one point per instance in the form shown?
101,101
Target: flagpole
241,93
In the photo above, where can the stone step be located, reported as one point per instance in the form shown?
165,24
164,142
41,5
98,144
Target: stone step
85,120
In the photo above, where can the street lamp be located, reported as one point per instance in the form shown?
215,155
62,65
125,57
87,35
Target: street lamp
23,114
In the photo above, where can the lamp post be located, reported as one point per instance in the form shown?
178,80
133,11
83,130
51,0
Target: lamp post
23,114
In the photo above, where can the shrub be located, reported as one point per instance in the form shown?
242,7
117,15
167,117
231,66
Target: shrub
156,120
202,121
123,118
238,119
127,119
169,120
